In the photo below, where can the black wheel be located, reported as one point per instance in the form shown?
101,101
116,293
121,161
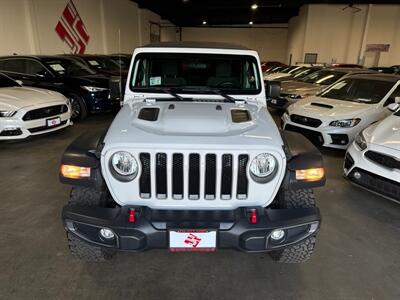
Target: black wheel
82,196
78,107
300,252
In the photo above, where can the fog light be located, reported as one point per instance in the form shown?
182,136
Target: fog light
357,175
106,233
277,234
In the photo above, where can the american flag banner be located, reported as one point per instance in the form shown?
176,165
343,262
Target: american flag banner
72,30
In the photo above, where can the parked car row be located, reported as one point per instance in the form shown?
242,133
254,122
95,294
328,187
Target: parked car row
360,113
39,94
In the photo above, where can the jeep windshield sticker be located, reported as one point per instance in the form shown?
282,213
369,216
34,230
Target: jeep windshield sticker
155,80
58,68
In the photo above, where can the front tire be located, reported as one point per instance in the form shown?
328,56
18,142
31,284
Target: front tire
88,197
78,107
300,252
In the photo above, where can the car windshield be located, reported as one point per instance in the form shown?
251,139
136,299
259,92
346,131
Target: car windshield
68,67
234,74
102,63
7,81
323,77
304,73
358,90
122,61
288,69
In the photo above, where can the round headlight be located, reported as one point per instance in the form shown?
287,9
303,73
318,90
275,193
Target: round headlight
124,165
263,166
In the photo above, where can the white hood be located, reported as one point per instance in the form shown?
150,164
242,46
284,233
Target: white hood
274,76
329,109
385,133
15,98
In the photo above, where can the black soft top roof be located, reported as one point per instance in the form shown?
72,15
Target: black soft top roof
212,45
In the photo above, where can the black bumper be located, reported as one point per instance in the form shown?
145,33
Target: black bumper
151,227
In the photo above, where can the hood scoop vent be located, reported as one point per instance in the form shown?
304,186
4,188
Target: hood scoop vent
322,105
149,114
240,115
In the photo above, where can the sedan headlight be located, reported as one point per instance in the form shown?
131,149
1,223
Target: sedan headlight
345,123
263,167
124,166
94,89
360,141
7,114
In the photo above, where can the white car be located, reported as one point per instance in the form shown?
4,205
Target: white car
335,116
26,111
373,160
193,162
288,72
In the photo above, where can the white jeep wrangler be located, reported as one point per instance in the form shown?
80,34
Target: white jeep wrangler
193,162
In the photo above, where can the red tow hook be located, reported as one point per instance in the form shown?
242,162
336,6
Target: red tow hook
132,216
253,216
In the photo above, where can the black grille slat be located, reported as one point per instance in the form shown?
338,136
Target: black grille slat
145,178
45,112
161,175
226,176
306,121
194,176
210,176
177,176
383,159
242,181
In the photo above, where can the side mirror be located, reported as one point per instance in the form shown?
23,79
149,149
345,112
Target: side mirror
42,74
393,107
19,82
272,89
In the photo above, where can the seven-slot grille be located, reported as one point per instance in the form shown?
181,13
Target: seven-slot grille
306,121
383,159
193,176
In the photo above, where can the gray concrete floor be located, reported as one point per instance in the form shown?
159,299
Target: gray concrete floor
357,255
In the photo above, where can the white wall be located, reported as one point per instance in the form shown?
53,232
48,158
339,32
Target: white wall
336,34
270,43
28,26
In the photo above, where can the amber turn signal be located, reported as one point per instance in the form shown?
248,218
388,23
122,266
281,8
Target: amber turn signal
310,174
74,172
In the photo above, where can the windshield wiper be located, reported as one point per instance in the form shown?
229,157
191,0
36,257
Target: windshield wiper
210,90
168,91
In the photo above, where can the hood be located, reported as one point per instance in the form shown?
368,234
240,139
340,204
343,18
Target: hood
327,108
274,76
385,133
99,80
293,87
14,98
203,123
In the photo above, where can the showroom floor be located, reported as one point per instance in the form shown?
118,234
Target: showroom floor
357,255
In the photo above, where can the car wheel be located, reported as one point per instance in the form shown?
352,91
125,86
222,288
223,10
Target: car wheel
78,107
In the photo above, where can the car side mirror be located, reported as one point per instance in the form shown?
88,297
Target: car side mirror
42,74
273,89
393,107
19,82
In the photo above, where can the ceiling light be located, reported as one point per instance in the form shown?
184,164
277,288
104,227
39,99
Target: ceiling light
254,6
251,23
204,22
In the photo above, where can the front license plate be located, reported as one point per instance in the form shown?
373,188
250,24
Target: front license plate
192,240
53,122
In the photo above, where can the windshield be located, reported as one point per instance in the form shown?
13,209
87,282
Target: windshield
68,67
233,74
121,61
358,90
288,69
7,82
323,77
102,63
305,72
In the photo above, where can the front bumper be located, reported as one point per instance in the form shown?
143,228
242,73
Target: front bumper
325,136
151,227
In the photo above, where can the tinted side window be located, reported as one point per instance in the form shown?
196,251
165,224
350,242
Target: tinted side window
14,65
34,67
391,99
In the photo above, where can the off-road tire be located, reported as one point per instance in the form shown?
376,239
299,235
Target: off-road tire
87,252
88,197
300,252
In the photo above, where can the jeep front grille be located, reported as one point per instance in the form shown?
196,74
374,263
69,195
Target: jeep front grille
193,176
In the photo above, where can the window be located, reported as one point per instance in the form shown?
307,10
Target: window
234,74
323,77
359,90
5,81
392,97
14,65
34,67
